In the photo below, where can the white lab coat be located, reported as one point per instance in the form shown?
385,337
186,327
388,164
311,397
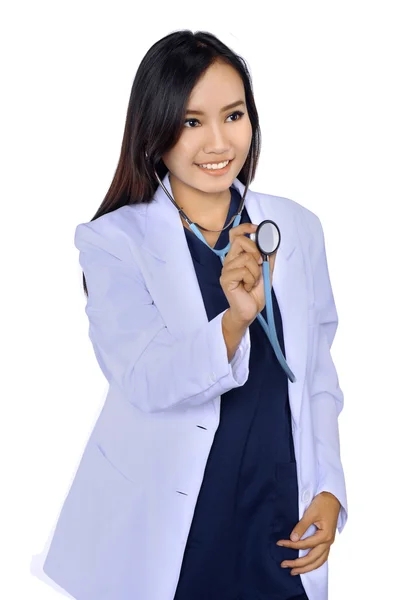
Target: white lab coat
123,526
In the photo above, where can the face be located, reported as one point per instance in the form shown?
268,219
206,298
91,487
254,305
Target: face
214,132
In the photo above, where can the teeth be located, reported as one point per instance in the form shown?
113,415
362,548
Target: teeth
214,167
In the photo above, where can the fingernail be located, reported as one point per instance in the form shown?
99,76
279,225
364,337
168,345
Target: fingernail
260,260
294,537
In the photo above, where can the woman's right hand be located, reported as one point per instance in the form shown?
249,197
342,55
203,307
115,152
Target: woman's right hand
242,278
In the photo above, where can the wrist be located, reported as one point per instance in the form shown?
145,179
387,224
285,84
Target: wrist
233,331
235,323
330,495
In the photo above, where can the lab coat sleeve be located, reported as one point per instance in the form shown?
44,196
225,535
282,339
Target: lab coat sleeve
132,344
326,394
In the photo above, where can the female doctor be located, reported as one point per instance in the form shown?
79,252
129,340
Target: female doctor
213,471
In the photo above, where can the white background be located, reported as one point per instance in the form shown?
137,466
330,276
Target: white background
326,79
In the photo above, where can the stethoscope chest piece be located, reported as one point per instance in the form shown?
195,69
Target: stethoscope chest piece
267,237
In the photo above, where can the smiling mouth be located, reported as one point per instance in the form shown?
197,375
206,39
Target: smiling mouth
214,166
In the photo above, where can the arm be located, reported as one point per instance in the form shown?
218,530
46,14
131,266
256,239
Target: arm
132,344
326,395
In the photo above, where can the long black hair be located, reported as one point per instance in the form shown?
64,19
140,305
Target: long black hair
156,114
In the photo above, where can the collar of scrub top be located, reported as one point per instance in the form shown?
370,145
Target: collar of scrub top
269,327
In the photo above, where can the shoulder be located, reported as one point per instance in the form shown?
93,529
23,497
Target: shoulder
114,231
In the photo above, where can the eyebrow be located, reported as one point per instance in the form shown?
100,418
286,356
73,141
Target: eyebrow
228,107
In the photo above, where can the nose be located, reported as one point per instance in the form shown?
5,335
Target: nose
216,141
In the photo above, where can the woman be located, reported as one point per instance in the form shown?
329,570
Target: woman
206,465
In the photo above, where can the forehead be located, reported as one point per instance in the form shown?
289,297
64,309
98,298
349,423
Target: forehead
220,85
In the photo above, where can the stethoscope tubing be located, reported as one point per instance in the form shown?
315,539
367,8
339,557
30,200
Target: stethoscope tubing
270,329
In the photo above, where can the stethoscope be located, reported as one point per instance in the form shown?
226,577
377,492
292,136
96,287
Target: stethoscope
267,238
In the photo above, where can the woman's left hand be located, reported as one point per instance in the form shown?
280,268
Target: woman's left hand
323,512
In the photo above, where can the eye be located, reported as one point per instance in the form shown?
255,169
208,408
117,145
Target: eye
190,121
238,113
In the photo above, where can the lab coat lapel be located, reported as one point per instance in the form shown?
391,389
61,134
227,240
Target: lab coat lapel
176,292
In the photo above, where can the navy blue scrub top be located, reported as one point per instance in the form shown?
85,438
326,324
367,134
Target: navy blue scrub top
249,495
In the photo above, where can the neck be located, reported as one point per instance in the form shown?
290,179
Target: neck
208,209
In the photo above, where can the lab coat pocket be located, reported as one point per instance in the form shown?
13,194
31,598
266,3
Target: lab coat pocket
111,486
111,466
120,464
